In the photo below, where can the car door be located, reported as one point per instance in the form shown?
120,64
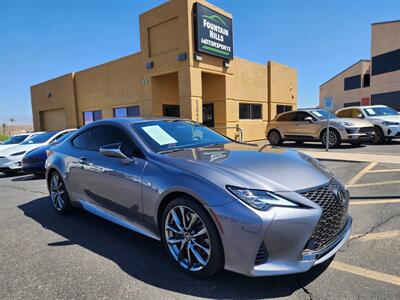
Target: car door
286,123
111,183
305,128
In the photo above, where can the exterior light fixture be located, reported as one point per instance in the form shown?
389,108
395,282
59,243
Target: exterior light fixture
182,56
226,63
49,95
149,65
198,57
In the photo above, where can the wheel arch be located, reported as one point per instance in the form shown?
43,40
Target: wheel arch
330,128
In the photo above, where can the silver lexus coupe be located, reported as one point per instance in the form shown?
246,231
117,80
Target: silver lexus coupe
214,203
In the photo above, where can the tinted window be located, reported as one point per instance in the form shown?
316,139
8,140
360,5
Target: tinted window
91,116
283,108
62,137
130,111
39,138
301,115
176,134
287,117
366,80
386,62
346,113
391,99
82,140
348,104
106,135
353,82
15,140
322,114
250,111
171,111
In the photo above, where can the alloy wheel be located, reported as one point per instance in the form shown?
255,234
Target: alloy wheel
332,139
274,138
187,238
57,192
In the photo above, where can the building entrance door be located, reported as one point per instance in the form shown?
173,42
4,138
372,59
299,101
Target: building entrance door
208,114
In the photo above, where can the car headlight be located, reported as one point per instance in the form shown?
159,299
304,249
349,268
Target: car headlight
18,153
259,199
386,123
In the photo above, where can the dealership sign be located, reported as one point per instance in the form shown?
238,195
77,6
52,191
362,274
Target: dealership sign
213,32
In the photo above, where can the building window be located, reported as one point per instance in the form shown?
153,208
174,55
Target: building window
171,110
386,62
390,99
353,82
250,111
348,104
130,111
366,80
283,108
91,116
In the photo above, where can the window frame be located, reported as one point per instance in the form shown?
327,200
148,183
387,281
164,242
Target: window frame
251,111
127,111
93,114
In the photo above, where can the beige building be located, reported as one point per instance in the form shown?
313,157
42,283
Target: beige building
185,68
370,82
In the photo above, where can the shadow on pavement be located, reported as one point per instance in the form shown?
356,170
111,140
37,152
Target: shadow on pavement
145,259
27,177
319,146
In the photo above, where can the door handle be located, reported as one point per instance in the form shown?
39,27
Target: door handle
82,160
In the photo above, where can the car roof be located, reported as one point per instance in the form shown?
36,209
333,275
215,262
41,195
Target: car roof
138,120
364,106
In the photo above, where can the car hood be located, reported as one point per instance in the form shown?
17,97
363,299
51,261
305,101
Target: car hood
40,151
357,122
4,147
395,118
254,166
19,148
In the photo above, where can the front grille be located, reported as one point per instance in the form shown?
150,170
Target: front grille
334,214
366,129
262,255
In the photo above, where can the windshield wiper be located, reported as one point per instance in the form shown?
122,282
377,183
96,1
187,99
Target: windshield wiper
172,150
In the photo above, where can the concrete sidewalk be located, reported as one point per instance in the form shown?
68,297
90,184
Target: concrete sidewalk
358,157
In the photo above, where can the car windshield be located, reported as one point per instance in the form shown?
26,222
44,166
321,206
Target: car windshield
170,135
39,138
322,114
380,111
15,140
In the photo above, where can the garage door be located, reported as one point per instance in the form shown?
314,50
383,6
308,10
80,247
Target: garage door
53,119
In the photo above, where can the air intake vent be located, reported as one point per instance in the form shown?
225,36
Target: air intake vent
262,255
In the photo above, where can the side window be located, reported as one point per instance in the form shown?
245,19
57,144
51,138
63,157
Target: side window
346,113
82,140
287,117
356,114
301,115
106,135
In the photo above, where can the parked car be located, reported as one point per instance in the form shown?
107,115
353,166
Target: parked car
215,203
33,161
385,119
311,125
11,158
15,140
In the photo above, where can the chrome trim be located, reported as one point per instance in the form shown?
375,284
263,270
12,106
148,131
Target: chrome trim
90,207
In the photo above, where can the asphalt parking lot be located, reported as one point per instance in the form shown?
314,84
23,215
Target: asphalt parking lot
45,255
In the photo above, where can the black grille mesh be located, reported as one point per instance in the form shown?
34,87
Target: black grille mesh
333,218
366,129
262,255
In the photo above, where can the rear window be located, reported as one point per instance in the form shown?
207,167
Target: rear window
287,117
15,140
40,138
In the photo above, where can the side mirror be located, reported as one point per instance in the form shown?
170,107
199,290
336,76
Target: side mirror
309,119
113,150
360,116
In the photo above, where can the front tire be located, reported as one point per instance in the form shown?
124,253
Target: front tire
58,193
334,138
379,137
274,138
191,238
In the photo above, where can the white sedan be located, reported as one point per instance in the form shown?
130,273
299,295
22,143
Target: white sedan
15,140
11,158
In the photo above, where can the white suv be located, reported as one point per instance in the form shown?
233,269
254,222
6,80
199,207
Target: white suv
385,119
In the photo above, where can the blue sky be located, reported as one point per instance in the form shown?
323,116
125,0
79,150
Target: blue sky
43,39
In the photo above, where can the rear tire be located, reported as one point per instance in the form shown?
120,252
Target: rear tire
58,193
334,138
274,138
379,137
191,238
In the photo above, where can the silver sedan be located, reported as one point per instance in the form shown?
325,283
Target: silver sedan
214,203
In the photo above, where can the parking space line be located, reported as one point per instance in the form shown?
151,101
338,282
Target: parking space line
384,171
365,273
366,202
361,173
376,235
373,183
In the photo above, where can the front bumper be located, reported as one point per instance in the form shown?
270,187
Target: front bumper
393,132
33,166
283,232
357,134
10,163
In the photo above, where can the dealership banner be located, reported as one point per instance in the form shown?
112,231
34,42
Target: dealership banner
213,32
